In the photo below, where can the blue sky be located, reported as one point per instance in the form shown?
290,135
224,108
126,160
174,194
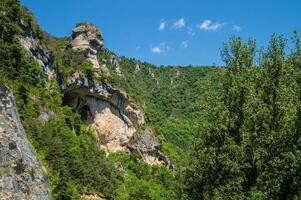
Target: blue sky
171,32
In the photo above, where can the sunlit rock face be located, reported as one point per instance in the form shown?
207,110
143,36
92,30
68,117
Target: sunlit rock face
108,111
113,129
21,174
88,39
93,196
147,145
42,55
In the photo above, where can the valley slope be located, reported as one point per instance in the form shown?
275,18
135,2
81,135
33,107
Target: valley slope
102,125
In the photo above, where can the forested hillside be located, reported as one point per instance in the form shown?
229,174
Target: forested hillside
230,132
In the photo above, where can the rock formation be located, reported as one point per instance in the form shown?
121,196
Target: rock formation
115,60
89,40
21,175
174,78
137,68
107,110
43,56
151,73
147,145
93,196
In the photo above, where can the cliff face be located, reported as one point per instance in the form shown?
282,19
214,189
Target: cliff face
147,145
21,175
115,120
107,110
43,56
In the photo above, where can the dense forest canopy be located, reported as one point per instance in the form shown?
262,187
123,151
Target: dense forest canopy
231,132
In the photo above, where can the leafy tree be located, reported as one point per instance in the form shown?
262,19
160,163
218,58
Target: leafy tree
248,147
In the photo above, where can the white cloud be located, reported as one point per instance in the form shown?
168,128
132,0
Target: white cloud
162,25
236,28
162,48
156,49
184,44
179,24
208,25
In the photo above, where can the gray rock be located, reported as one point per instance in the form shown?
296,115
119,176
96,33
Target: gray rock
21,174
147,145
43,56
115,60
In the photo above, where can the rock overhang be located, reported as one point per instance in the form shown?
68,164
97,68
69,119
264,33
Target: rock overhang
107,110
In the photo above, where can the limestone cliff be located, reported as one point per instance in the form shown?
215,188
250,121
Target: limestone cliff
43,56
147,145
87,39
21,175
106,109
115,120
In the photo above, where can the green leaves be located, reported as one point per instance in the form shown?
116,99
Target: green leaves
247,147
238,54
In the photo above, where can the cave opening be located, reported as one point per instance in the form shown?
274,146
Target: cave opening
86,114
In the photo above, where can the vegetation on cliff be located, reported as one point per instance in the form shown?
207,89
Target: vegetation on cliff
231,132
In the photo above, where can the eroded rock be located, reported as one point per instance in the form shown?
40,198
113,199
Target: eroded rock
108,111
21,175
147,145
42,55
137,68
115,61
87,38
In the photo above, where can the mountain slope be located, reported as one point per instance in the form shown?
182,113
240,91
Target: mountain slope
38,67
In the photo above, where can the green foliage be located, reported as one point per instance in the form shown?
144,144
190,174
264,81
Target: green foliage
139,189
167,95
249,143
66,147
241,124
9,18
88,69
142,181
77,161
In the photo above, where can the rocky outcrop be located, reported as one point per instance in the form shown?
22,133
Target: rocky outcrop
137,68
175,77
88,40
115,60
43,56
21,175
151,73
147,145
93,196
115,120
108,111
